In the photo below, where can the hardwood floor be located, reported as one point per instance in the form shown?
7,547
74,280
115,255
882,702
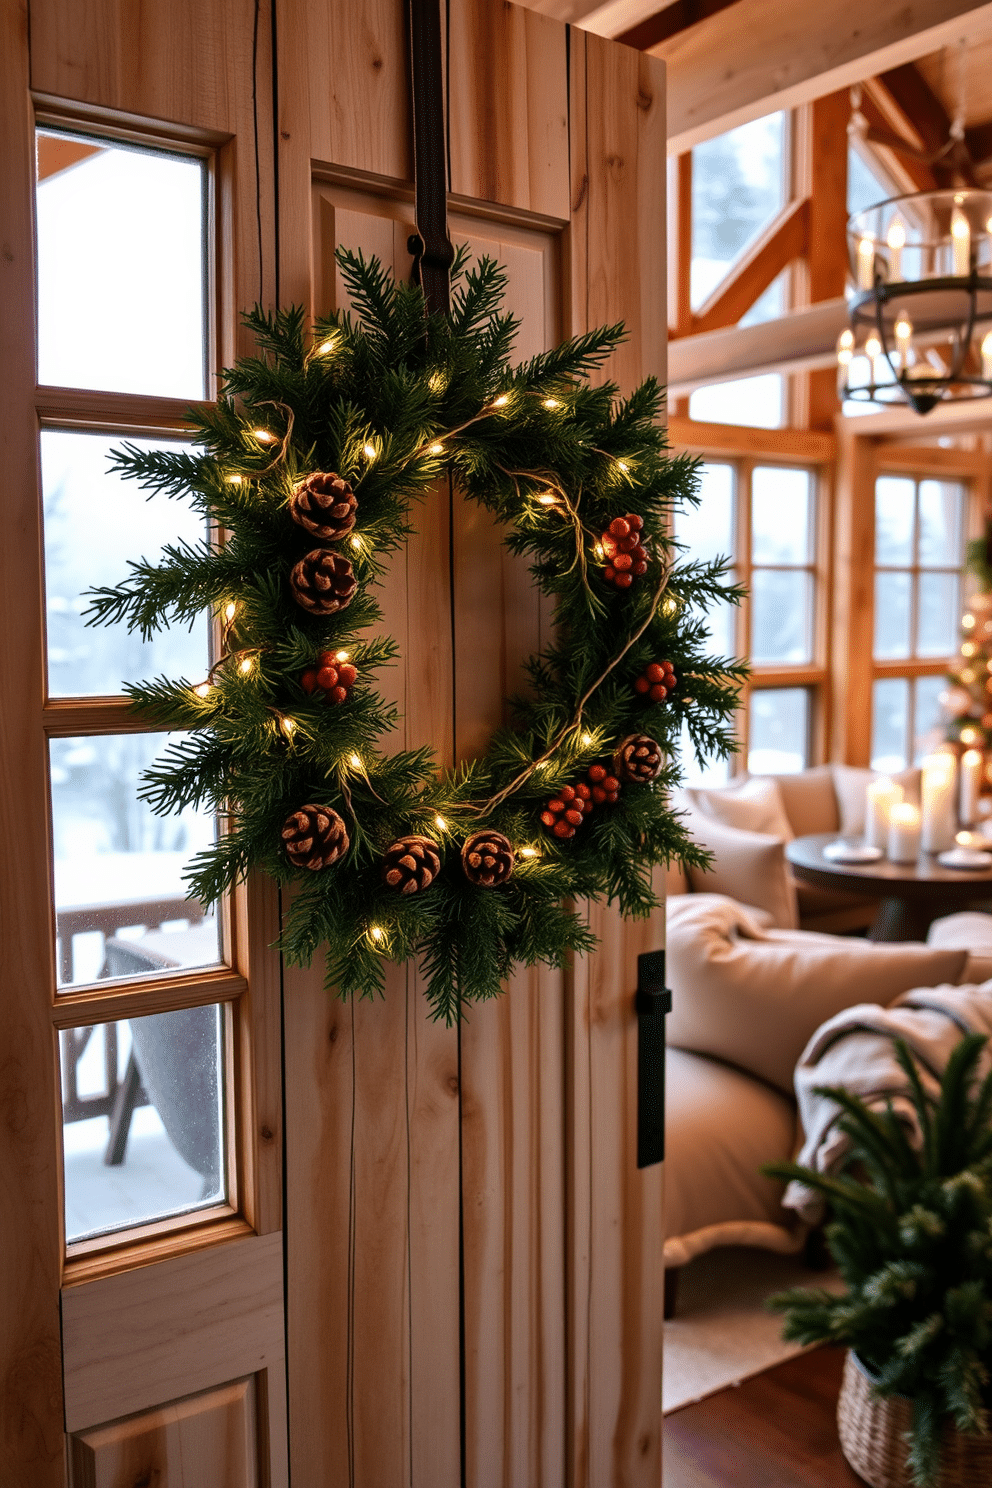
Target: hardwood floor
776,1430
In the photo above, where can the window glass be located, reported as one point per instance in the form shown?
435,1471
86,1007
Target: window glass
768,306
707,532
894,497
780,515
890,713
712,771
142,1120
940,524
864,187
892,613
738,186
780,616
753,401
122,280
778,732
927,715
94,524
120,902
938,615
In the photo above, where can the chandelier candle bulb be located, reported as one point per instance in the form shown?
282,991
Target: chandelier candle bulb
880,797
961,241
897,241
904,833
866,262
873,351
987,356
904,338
970,785
937,793
845,351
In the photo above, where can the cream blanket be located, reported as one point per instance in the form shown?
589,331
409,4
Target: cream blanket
855,1049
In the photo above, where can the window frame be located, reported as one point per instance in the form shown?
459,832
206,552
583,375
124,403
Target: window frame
95,1004
794,451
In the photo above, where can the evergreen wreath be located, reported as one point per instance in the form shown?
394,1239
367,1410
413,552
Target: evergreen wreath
310,462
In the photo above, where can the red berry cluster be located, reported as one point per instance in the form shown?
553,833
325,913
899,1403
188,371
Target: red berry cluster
573,803
333,678
657,680
626,557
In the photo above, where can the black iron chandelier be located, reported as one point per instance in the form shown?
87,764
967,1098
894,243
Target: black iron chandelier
921,313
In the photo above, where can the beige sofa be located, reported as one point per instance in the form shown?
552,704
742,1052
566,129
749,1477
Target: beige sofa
746,824
747,997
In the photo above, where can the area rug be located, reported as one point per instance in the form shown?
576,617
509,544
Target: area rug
721,1333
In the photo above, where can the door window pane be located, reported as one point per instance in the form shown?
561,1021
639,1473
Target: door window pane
889,716
120,902
780,515
938,615
778,732
121,267
142,1120
95,522
892,607
940,524
780,616
894,520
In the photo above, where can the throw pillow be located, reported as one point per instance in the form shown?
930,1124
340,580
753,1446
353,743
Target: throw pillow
750,867
754,997
753,805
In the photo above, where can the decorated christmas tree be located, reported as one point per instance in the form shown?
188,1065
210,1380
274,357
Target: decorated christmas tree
968,697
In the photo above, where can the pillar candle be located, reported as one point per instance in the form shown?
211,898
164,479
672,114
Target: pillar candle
880,797
904,833
972,765
937,794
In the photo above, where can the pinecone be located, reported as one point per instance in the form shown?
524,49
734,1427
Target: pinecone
325,505
637,758
323,583
314,837
488,859
411,864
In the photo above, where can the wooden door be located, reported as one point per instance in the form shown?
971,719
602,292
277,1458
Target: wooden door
141,1307
473,1260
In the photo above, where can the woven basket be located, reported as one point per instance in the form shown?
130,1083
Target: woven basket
872,1435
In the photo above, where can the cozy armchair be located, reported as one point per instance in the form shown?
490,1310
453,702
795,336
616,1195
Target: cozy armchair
746,824
747,997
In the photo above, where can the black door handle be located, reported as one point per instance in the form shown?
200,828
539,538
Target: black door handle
651,1002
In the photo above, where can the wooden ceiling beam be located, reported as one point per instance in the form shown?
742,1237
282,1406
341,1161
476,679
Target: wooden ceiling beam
666,23
910,172
801,341
757,56
919,105
979,141
785,239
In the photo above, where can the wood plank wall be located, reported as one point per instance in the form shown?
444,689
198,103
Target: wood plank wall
465,1220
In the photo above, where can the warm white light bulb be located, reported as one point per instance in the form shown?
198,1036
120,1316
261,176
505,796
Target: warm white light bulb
341,655
437,449
235,480
866,261
246,665
845,348
356,543
440,822
287,725
551,403
968,621
501,401
370,451
230,611
586,740
547,499
528,852
376,933
327,346
960,241
355,761
623,466
203,690
873,346
599,550
263,436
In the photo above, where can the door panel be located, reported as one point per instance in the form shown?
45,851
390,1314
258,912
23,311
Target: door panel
206,1441
506,1162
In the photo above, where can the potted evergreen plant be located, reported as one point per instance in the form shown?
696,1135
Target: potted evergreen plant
911,1232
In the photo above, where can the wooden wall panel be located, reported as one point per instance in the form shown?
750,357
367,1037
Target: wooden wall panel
359,83
207,1441
508,113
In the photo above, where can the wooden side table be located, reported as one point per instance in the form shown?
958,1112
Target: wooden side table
913,894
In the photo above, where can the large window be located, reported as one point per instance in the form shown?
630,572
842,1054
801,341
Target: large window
919,540
764,517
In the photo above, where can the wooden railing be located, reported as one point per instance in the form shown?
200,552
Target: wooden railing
108,920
